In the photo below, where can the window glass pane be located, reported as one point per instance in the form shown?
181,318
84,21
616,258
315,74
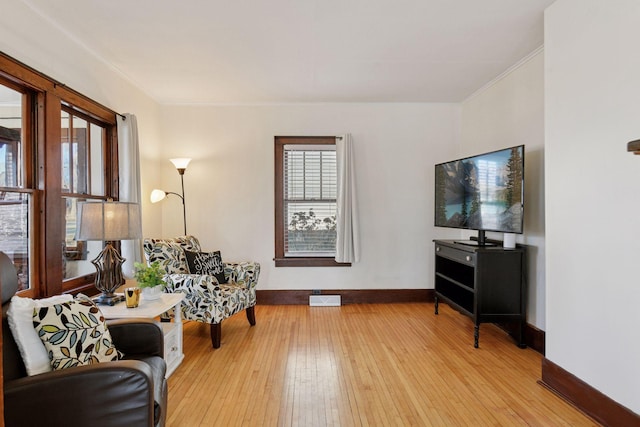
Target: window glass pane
79,155
311,229
294,182
73,155
96,165
66,152
310,175
77,255
83,172
329,175
71,209
310,205
9,163
16,210
82,155
10,138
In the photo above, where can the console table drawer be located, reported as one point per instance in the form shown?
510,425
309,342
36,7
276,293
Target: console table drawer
468,258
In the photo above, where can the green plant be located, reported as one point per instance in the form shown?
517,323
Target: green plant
149,277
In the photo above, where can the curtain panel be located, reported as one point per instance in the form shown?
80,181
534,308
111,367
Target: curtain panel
347,239
130,190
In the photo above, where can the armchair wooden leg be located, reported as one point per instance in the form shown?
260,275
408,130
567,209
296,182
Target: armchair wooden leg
216,332
251,315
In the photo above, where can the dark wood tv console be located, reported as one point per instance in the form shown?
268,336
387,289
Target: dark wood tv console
486,283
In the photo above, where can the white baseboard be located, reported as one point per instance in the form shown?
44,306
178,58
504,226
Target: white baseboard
325,300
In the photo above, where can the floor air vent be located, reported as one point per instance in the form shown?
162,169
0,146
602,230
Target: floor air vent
324,300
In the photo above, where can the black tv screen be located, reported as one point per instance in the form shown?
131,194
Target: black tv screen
483,192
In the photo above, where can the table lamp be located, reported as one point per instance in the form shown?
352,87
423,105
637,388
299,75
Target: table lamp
108,222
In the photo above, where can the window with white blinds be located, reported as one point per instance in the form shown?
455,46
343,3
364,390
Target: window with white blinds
305,201
309,200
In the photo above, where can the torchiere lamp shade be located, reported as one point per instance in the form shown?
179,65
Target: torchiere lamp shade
180,163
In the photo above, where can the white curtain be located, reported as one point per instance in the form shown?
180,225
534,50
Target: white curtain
129,171
348,240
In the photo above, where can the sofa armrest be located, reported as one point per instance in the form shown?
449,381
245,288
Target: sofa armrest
245,273
105,394
137,336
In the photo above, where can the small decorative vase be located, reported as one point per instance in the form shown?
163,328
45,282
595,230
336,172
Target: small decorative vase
151,293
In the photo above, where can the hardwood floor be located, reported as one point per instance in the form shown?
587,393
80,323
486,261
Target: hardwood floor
360,365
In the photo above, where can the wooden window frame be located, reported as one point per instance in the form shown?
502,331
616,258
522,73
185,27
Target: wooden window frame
281,260
43,178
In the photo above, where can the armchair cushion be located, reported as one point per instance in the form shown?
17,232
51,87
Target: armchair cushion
74,333
209,263
169,253
20,318
208,301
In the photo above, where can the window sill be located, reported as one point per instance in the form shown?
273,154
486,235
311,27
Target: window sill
309,262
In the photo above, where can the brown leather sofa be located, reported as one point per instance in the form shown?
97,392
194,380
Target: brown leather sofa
129,392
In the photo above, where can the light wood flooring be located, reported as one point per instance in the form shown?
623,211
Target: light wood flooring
360,365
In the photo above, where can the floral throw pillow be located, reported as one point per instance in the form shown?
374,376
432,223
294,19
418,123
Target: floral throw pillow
169,255
209,263
74,334
20,317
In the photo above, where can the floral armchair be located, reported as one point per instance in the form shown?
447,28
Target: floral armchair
206,300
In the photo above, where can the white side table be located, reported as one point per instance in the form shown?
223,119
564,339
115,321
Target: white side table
149,309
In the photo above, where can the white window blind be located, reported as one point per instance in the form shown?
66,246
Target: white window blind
310,180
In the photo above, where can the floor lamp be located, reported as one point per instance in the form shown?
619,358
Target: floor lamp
108,222
157,195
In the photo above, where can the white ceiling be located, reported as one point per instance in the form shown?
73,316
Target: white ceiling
282,51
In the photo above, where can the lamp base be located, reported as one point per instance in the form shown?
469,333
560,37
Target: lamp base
106,299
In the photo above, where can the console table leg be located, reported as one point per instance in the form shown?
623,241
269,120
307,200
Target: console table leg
436,304
521,336
476,335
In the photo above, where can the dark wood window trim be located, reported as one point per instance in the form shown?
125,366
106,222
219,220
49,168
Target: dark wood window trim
280,259
45,100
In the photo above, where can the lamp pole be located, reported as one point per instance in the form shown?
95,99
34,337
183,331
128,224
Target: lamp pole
184,208
157,195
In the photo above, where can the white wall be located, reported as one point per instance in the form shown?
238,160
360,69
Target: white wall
508,112
33,40
592,77
229,185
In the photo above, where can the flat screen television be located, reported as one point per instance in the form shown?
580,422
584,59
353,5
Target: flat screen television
483,193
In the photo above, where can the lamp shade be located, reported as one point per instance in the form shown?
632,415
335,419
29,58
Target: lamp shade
181,163
157,195
108,221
